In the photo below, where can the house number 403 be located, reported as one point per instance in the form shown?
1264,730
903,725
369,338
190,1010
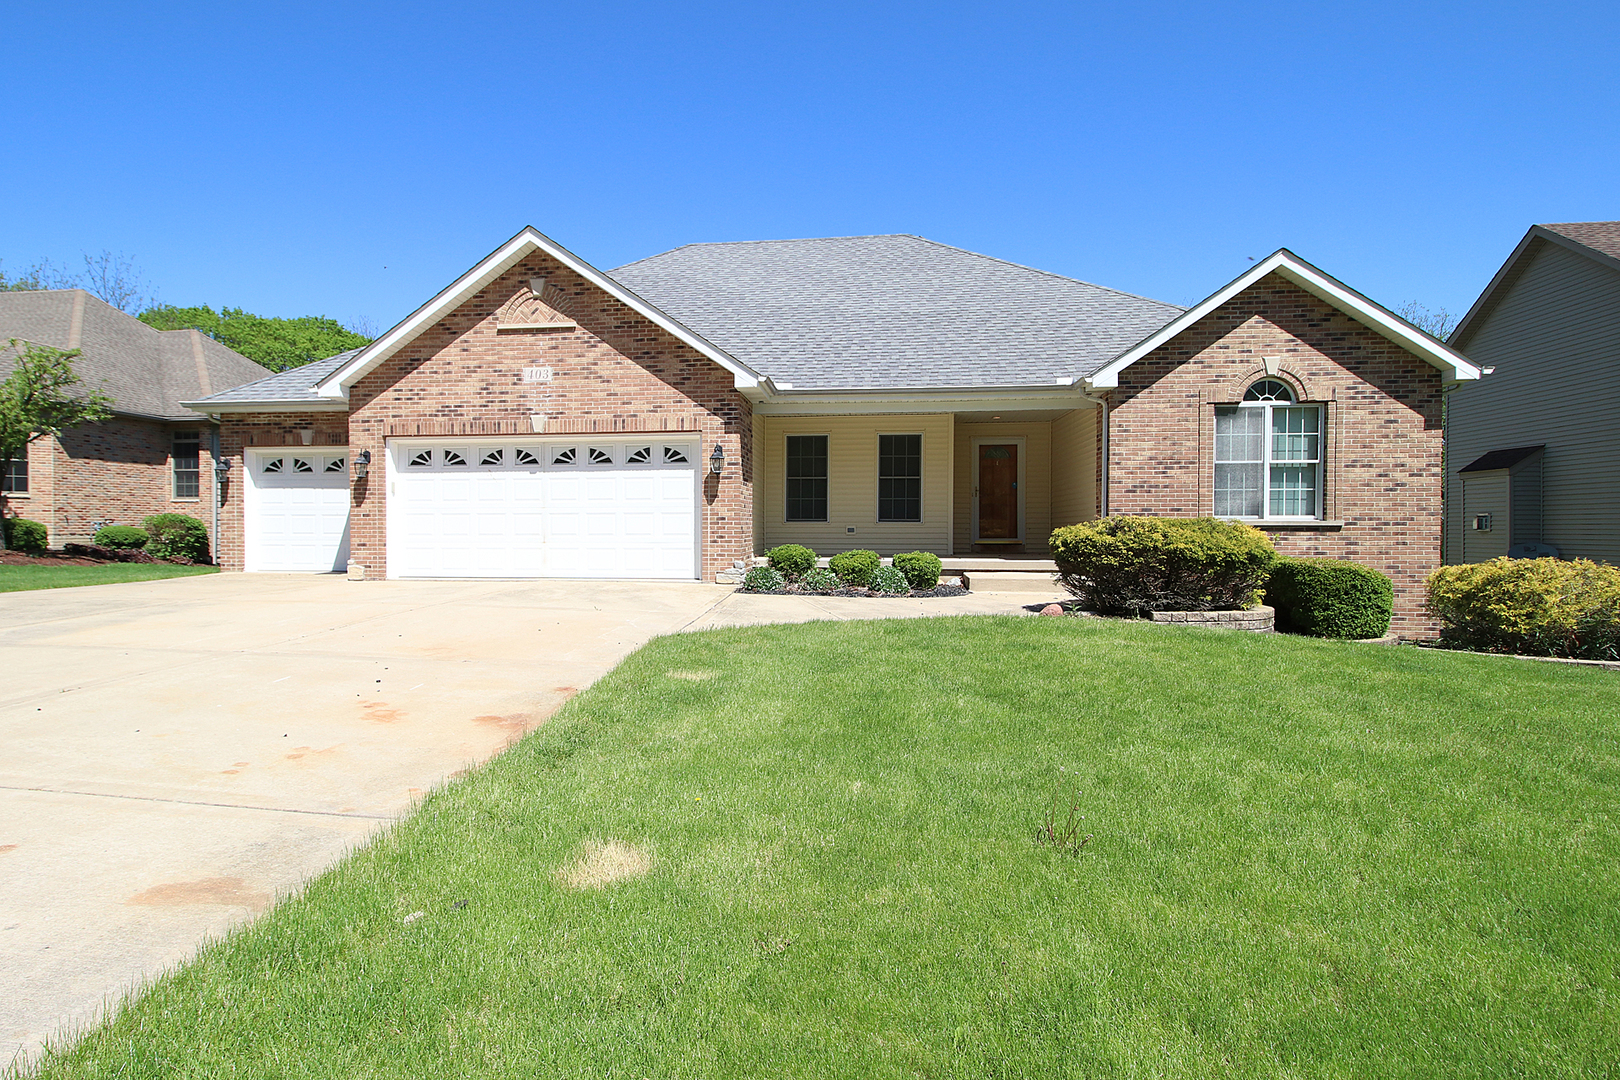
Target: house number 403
537,374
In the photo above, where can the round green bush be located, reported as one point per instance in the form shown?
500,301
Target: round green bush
920,567
25,536
121,536
1538,607
819,579
793,560
889,579
177,536
1331,598
763,579
854,568
1134,565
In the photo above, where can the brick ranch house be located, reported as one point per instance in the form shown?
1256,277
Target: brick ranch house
154,455
679,415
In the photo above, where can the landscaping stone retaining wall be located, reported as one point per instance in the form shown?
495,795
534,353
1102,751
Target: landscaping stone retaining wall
1260,620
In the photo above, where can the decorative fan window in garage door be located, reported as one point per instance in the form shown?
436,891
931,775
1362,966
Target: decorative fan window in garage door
545,508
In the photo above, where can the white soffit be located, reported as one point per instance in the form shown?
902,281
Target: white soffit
508,255
1286,264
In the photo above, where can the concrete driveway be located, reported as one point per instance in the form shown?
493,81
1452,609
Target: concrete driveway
175,755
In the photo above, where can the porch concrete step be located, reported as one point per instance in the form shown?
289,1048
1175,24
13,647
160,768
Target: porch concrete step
1020,581
1017,564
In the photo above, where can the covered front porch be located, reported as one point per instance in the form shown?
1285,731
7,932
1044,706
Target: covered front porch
985,482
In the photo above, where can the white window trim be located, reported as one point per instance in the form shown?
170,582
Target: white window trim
877,480
786,435
1265,462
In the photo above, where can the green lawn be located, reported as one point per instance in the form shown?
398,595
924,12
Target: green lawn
1308,859
37,576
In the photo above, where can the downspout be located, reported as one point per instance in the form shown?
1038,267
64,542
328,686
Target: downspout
1102,471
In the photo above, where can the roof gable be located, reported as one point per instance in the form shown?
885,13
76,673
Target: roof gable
1595,240
1284,263
335,386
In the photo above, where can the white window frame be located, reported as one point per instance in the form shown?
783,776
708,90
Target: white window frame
1266,461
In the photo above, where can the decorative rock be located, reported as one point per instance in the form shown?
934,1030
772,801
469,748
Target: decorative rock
731,575
1052,609
357,572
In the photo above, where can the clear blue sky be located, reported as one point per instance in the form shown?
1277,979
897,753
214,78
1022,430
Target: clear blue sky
352,159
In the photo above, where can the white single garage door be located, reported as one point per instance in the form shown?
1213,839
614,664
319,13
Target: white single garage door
297,506
543,508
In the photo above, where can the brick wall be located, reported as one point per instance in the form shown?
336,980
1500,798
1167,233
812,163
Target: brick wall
1383,438
614,372
116,471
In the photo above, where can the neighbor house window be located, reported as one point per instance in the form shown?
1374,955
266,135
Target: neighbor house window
185,457
899,477
1268,455
807,478
16,478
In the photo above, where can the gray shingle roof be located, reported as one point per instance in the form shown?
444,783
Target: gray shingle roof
145,371
889,312
1601,236
294,384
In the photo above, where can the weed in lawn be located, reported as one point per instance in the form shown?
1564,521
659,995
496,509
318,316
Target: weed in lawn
1061,829
598,865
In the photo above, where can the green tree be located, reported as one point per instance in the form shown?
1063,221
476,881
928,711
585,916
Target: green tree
37,399
276,343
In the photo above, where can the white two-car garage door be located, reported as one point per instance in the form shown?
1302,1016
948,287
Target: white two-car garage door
297,505
580,507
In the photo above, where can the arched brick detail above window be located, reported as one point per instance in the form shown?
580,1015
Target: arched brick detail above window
1231,391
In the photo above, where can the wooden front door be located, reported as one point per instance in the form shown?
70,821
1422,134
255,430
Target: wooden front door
998,491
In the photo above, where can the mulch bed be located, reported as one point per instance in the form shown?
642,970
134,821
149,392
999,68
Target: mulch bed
795,590
82,557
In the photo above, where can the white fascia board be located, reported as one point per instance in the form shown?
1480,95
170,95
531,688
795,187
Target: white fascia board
211,407
336,385
1452,364
946,400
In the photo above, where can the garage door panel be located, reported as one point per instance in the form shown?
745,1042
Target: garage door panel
590,509
297,510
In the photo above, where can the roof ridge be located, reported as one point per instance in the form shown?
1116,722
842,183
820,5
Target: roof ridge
781,240
1050,274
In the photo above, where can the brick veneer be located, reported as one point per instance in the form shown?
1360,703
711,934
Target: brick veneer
118,471
1383,437
614,372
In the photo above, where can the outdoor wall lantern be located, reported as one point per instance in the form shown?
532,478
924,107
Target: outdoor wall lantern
717,460
222,468
362,464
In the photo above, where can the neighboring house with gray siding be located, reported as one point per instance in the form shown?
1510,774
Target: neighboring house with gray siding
1533,449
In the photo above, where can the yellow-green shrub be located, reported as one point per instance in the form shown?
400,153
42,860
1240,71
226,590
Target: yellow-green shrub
1538,607
1133,565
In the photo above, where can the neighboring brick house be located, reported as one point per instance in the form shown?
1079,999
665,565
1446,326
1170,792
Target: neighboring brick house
154,455
674,417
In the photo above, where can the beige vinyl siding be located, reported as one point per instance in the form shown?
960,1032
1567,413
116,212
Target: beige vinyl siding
1074,467
1554,339
1037,470
852,463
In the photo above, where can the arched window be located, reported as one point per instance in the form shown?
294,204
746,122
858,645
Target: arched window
1269,390
1268,455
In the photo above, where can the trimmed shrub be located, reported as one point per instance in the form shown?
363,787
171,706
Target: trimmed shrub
121,536
920,567
793,560
763,579
1134,565
1331,598
1538,607
177,536
889,579
25,536
855,568
820,579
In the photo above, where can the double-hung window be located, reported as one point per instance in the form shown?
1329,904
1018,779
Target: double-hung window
1268,455
16,475
899,477
806,478
186,456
